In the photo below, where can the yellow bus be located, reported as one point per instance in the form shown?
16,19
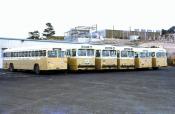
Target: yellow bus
159,58
143,58
125,57
38,59
80,57
106,57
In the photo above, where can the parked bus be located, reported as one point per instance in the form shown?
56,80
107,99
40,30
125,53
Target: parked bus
159,58
125,57
41,58
106,57
143,58
81,57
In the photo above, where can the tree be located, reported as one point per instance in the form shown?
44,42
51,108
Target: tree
171,30
164,31
49,31
34,35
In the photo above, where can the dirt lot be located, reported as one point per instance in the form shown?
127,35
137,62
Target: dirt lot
121,92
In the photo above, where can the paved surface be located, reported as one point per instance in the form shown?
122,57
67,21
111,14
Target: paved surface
131,92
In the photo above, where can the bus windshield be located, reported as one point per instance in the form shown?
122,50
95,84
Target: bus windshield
124,54
82,52
85,52
130,53
107,53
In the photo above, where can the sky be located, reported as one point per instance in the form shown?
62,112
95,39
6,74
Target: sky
18,17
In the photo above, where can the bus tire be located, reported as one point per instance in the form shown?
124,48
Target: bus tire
11,67
36,69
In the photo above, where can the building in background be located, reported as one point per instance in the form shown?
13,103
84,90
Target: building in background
83,34
123,34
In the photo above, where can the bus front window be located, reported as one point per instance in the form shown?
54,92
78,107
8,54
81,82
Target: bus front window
106,53
124,54
113,53
52,53
131,54
90,52
81,52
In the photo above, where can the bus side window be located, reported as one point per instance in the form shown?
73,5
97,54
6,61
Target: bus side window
36,53
153,54
22,54
30,54
97,53
19,54
33,53
4,54
12,54
44,53
26,54
68,53
40,53
136,55
118,53
73,52
15,54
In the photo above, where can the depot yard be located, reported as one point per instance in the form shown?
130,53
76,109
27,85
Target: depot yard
144,91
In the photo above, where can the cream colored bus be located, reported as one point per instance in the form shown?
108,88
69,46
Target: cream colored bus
106,57
80,57
38,59
125,57
143,58
159,58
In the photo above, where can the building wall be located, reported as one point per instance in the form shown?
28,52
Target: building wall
144,35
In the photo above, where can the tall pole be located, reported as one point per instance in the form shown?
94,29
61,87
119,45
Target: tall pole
113,32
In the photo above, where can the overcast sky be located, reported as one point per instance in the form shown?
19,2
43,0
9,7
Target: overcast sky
18,17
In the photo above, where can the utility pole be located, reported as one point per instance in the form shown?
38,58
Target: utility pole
113,32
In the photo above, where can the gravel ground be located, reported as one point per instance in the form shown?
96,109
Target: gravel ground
121,92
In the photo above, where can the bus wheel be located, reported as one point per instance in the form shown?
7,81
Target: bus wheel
11,67
36,69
